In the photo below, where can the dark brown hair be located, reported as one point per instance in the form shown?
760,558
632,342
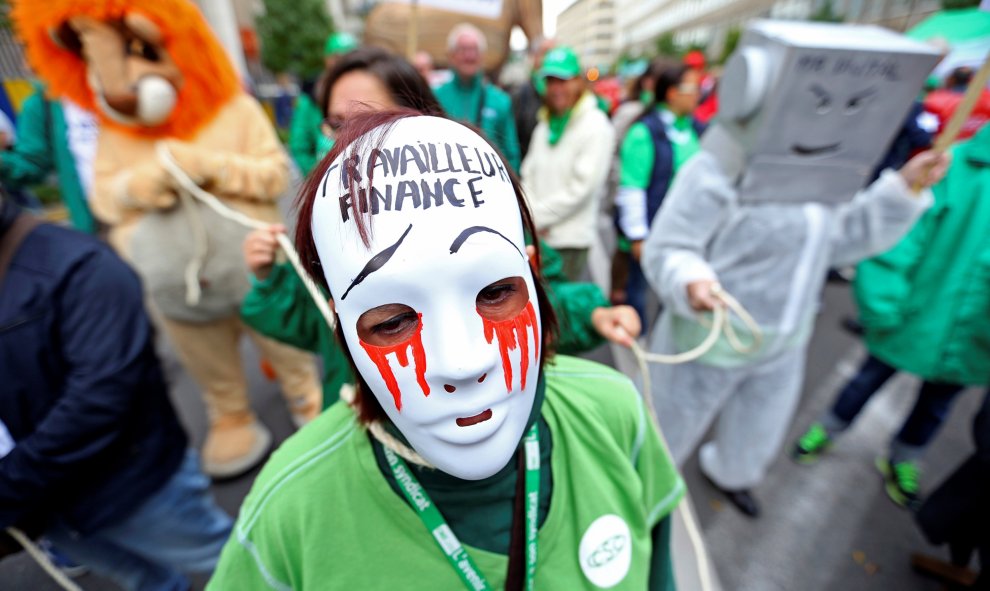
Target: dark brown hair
668,74
353,138
404,83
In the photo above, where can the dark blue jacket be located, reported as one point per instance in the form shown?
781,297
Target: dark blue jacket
81,389
663,162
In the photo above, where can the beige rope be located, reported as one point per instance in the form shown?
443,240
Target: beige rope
187,185
42,560
721,324
378,431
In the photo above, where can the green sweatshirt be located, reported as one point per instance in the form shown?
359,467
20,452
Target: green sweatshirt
322,515
461,99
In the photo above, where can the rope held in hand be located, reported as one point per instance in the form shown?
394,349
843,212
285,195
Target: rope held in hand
721,324
192,270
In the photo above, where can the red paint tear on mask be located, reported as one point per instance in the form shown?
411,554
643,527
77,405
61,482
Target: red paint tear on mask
379,357
512,333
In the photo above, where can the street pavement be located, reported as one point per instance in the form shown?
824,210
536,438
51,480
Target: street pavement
824,527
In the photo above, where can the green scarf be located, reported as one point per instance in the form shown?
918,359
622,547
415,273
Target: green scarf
557,123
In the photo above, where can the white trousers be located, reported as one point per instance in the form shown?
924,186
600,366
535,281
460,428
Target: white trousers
754,406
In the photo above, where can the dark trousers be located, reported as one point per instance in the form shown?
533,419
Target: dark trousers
929,412
958,512
636,290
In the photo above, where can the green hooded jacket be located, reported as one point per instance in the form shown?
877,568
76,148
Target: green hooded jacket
925,304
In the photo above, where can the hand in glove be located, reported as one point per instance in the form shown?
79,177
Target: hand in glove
150,186
203,166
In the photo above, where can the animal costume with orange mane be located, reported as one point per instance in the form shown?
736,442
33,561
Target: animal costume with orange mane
154,73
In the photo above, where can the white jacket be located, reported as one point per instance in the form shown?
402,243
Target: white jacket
564,182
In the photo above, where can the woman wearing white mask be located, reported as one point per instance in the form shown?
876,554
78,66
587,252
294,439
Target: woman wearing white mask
467,458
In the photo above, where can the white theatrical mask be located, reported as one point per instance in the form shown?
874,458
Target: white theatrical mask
453,352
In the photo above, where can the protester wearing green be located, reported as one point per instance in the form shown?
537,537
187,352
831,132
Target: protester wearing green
307,144
652,152
307,141
568,160
469,453
627,483
43,145
468,97
923,305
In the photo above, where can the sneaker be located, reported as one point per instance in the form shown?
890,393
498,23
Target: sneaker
901,481
812,444
60,561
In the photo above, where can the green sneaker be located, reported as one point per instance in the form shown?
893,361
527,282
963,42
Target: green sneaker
901,481
811,445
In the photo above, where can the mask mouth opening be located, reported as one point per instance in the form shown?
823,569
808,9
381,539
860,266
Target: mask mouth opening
474,420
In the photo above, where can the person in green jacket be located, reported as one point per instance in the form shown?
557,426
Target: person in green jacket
471,456
469,98
278,305
307,142
44,145
925,308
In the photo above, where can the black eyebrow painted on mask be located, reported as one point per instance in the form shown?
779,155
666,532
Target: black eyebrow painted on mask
459,241
376,262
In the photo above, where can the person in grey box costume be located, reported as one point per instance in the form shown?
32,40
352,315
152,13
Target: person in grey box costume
772,256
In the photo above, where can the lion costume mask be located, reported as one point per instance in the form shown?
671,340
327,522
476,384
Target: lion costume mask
161,40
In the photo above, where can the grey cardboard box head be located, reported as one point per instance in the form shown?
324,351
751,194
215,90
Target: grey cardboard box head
811,108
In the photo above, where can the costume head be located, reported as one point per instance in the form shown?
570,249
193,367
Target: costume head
420,239
811,107
146,67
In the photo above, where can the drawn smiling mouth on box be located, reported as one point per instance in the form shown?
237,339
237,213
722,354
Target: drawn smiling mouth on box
815,150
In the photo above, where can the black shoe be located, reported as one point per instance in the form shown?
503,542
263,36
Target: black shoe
743,499
852,326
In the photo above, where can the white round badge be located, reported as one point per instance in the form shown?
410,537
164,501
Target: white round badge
605,552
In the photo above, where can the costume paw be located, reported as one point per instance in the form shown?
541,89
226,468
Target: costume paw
149,186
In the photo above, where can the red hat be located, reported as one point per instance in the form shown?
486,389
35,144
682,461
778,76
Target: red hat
694,59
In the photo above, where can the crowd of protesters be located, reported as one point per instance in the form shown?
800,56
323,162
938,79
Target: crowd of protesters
94,460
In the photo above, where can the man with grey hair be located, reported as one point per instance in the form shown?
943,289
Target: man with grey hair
470,98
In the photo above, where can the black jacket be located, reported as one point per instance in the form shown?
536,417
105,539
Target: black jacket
81,390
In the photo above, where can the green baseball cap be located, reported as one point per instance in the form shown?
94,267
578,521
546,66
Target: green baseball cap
338,43
560,62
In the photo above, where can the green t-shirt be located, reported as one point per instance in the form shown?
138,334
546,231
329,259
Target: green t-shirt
322,516
638,152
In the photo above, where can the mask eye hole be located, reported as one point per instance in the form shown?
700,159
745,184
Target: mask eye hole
137,47
387,325
503,299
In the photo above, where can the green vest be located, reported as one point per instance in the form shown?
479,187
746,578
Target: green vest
322,516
